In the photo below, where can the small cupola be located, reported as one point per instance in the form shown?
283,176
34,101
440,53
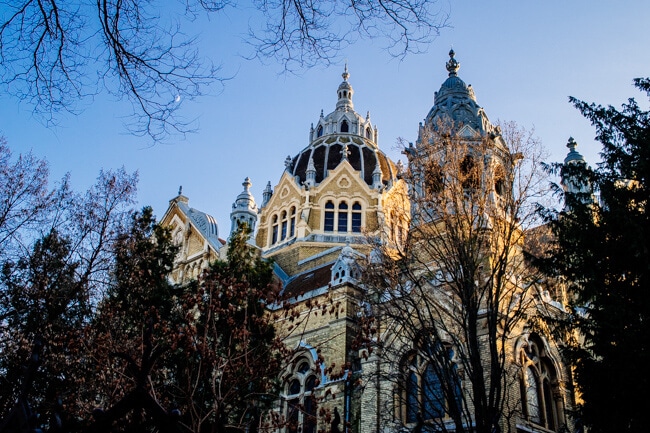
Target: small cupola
345,93
244,209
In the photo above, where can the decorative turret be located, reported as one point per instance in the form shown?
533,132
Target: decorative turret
244,209
376,177
267,193
310,173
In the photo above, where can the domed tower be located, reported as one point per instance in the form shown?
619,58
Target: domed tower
571,183
457,132
333,192
244,209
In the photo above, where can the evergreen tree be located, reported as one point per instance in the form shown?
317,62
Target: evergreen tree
46,305
602,252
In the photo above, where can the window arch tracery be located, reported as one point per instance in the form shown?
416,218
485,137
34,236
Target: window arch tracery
424,393
299,397
540,397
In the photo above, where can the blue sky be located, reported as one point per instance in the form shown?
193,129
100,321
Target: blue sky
523,58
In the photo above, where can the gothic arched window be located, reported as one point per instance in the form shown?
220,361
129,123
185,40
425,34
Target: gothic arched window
319,131
344,126
300,402
368,133
540,398
423,391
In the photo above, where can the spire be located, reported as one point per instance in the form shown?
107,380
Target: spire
376,177
453,65
267,193
311,172
345,93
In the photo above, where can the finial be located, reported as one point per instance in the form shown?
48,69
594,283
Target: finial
247,183
180,190
288,162
572,144
345,73
452,65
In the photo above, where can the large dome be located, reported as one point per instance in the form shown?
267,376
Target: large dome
342,134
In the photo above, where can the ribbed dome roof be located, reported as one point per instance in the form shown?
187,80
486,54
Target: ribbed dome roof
342,134
455,103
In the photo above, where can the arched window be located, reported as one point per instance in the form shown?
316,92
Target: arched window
329,217
344,126
300,403
540,399
343,217
319,131
356,217
423,393
368,133
274,230
292,222
283,233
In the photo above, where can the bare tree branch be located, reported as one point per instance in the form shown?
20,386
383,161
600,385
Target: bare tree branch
56,53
